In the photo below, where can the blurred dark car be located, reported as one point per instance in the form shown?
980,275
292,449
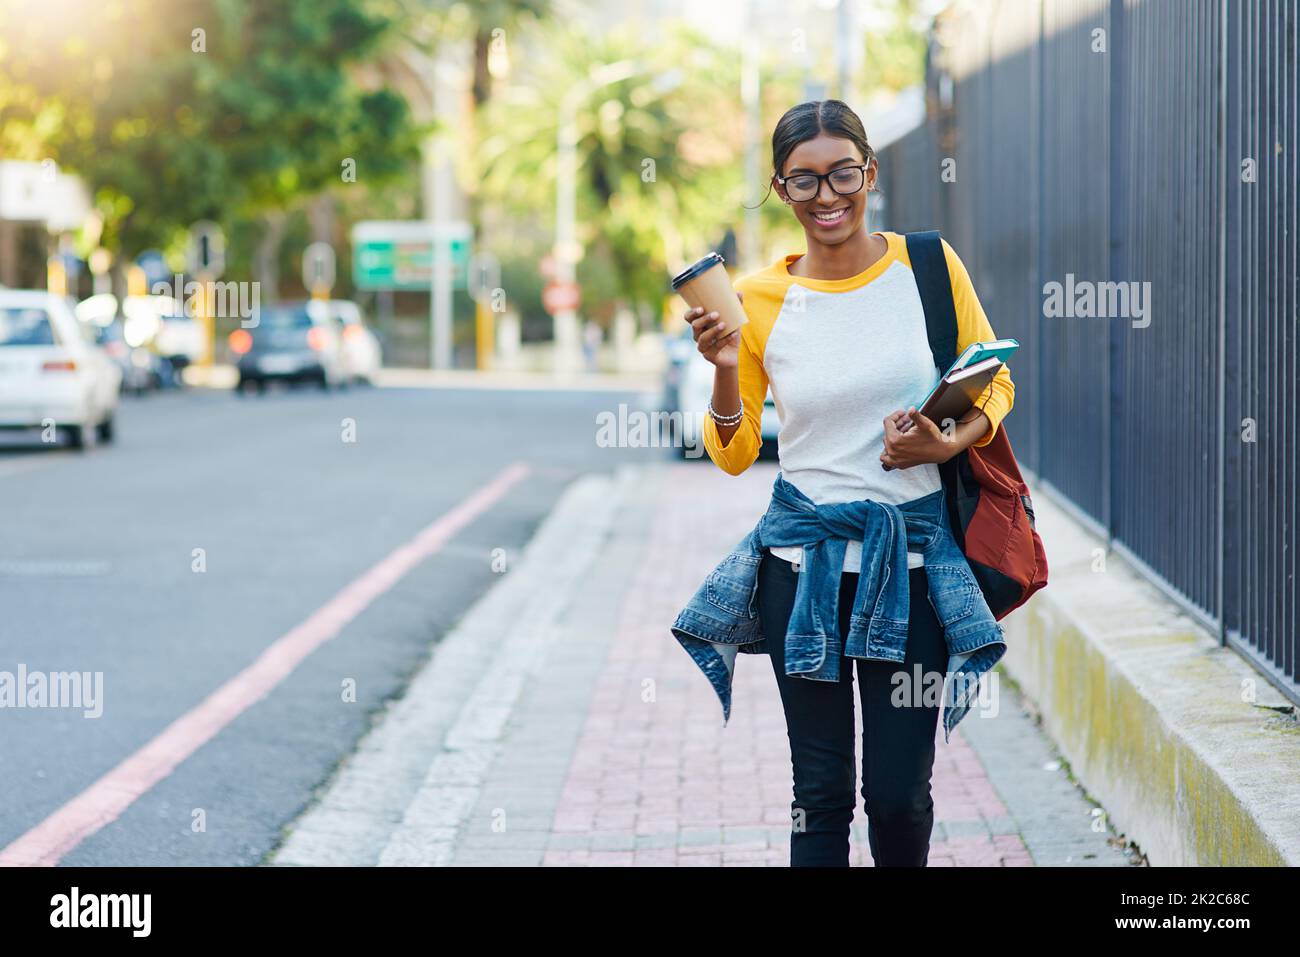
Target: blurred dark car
141,369
294,342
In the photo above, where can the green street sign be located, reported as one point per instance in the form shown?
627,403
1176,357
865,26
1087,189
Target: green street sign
399,254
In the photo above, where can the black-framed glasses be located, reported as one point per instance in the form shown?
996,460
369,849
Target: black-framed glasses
845,181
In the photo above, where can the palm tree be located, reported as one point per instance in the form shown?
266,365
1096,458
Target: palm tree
487,17
660,177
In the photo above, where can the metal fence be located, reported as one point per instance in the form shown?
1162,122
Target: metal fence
1144,149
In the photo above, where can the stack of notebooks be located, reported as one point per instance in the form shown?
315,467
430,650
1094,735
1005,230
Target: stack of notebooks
962,385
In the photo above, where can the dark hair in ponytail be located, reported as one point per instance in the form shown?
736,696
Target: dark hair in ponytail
808,120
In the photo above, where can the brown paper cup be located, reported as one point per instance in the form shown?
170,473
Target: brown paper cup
706,283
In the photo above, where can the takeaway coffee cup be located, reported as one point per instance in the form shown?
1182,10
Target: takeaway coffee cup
707,284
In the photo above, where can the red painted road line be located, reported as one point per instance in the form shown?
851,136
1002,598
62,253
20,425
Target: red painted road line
106,799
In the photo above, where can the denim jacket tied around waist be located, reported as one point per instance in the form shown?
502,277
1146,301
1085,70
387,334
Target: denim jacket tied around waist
722,617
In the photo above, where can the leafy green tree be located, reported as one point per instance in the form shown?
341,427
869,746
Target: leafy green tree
114,96
205,109
489,23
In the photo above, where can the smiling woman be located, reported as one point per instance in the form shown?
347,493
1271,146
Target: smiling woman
821,177
838,333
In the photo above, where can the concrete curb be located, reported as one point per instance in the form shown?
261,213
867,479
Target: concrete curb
401,797
1187,746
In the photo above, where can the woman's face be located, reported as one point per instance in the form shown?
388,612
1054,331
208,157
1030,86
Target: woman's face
828,217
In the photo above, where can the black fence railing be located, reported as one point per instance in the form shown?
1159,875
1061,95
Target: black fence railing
1120,178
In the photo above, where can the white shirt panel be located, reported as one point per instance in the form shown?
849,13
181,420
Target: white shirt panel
838,363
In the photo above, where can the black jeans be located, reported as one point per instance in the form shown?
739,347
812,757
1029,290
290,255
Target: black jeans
897,742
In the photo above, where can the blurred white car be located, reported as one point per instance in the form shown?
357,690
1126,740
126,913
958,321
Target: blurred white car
179,337
691,386
51,371
141,369
156,325
360,355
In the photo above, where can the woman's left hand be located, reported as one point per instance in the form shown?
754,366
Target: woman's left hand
912,439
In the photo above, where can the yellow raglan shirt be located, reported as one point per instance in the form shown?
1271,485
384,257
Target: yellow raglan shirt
823,366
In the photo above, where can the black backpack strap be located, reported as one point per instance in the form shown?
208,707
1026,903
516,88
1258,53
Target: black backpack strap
930,268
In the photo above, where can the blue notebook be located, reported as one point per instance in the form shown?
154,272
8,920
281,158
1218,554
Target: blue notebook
973,355
979,351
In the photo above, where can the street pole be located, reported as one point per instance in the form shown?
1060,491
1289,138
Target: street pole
848,50
101,261
485,279
749,95
206,261
568,351
318,270
841,50
566,201
203,316
440,302
437,186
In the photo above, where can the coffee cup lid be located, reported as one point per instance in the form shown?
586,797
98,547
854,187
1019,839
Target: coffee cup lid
693,270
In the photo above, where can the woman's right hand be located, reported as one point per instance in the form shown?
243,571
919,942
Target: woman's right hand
707,327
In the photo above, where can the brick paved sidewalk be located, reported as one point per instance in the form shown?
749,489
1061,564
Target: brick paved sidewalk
560,723
661,781
655,778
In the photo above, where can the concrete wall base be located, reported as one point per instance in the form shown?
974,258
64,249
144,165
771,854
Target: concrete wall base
1192,753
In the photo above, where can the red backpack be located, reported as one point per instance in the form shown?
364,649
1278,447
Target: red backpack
989,507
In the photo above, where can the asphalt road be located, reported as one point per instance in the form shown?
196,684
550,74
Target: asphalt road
97,575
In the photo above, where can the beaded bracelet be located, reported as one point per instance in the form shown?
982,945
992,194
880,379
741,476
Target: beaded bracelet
733,419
